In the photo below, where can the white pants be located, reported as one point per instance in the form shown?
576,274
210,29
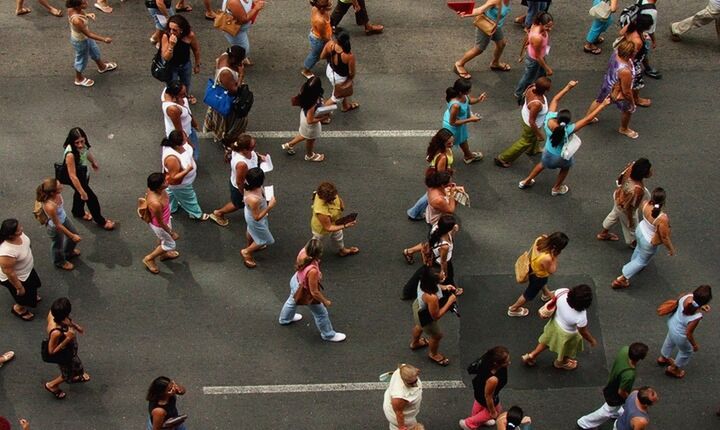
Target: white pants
336,236
617,214
166,241
706,16
597,418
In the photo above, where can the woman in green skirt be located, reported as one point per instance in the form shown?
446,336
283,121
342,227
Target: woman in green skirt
565,331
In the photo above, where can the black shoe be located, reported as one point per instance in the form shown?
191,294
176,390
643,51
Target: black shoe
653,73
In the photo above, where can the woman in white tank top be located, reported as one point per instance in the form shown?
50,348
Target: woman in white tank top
177,114
653,230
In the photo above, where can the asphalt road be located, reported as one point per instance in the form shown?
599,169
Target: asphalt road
208,321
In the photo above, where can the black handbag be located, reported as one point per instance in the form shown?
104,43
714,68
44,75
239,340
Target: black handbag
243,101
62,175
159,69
63,356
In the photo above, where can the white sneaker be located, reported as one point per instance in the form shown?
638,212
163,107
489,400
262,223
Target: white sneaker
489,423
339,337
462,425
296,318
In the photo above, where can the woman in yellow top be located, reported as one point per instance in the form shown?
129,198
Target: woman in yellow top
543,263
320,33
327,209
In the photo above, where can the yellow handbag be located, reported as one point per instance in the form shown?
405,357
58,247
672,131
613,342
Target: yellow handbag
485,24
226,22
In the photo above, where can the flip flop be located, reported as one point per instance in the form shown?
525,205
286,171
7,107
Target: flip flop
170,255
222,222
503,67
315,157
422,343
105,9
521,312
609,236
85,377
351,251
353,106
617,283
66,266
632,134
500,163
109,225
374,29
409,258
464,75
527,360
25,316
568,365
151,267
442,361
677,375
186,8
662,361
86,82
7,357
23,11
594,51
59,394
56,12
109,67
287,148
249,262
210,18
87,216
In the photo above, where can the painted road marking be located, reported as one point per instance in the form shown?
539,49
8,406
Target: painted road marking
338,134
319,388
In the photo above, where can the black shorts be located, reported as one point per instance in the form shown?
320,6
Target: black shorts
31,284
236,197
536,284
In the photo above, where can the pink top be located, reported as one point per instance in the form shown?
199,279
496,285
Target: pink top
545,47
165,216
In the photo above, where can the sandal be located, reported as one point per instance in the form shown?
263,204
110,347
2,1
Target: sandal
109,67
66,266
186,8
151,266
595,50
59,394
315,157
170,255
109,225
528,360
86,82
210,17
221,221
350,251
662,361
462,73
287,148
567,365
23,11
25,316
607,236
522,185
679,374
248,260
55,12
87,216
85,377
502,67
104,8
422,343
560,191
374,29
353,106
75,253
441,361
632,134
599,40
620,282
409,258
521,312
500,163
476,156
7,357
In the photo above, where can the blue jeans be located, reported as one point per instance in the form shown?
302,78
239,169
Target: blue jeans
316,47
598,27
644,251
685,351
182,72
535,7
532,72
61,246
155,12
184,196
240,39
84,49
319,311
418,211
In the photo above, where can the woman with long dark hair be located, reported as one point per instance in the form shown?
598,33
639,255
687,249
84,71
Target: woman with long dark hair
652,231
257,208
441,243
61,230
340,69
162,403
17,272
62,336
176,43
77,158
558,130
309,99
440,159
490,378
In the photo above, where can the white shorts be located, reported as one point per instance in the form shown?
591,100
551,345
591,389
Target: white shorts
166,241
334,79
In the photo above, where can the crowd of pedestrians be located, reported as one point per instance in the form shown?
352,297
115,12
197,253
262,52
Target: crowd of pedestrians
433,288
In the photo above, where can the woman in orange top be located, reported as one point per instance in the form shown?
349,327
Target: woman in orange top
320,33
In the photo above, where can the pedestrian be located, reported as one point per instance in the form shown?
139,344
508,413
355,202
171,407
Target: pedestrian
162,404
160,11
535,7
245,13
619,386
558,131
361,16
538,47
636,32
442,243
597,28
327,209
158,205
495,10
20,8
428,303
17,273
340,70
229,74
617,83
305,289
490,378
83,42
627,198
177,114
440,159
543,256
242,157
257,208
648,7
5,357
441,196
651,231
635,415
532,115
62,232
702,17
458,114
681,331
180,170
401,402
320,34
62,334
567,328
309,100
77,157
177,41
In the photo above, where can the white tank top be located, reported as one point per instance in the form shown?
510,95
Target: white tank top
236,158
185,115
647,228
540,119
186,159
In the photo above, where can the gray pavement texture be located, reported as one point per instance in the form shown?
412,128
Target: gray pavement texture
206,320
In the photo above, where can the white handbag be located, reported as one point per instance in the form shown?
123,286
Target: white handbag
571,146
600,11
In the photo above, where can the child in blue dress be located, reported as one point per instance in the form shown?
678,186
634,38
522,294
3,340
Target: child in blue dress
458,115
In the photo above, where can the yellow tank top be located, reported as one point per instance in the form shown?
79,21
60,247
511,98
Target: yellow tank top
535,258
449,156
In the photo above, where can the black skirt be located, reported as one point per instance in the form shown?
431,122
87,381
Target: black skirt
31,284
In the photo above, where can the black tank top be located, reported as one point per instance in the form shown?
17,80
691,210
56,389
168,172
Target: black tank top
170,408
336,63
480,381
181,54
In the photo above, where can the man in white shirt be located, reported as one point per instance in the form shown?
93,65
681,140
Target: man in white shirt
706,16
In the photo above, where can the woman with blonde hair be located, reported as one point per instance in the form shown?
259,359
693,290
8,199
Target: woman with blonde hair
305,289
61,230
401,402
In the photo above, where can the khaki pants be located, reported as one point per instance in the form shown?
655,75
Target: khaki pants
706,16
617,214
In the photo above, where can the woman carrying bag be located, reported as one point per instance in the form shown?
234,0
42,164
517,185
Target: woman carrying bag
229,75
340,70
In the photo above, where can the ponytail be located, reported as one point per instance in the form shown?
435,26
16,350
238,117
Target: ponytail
658,201
450,93
46,189
558,136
